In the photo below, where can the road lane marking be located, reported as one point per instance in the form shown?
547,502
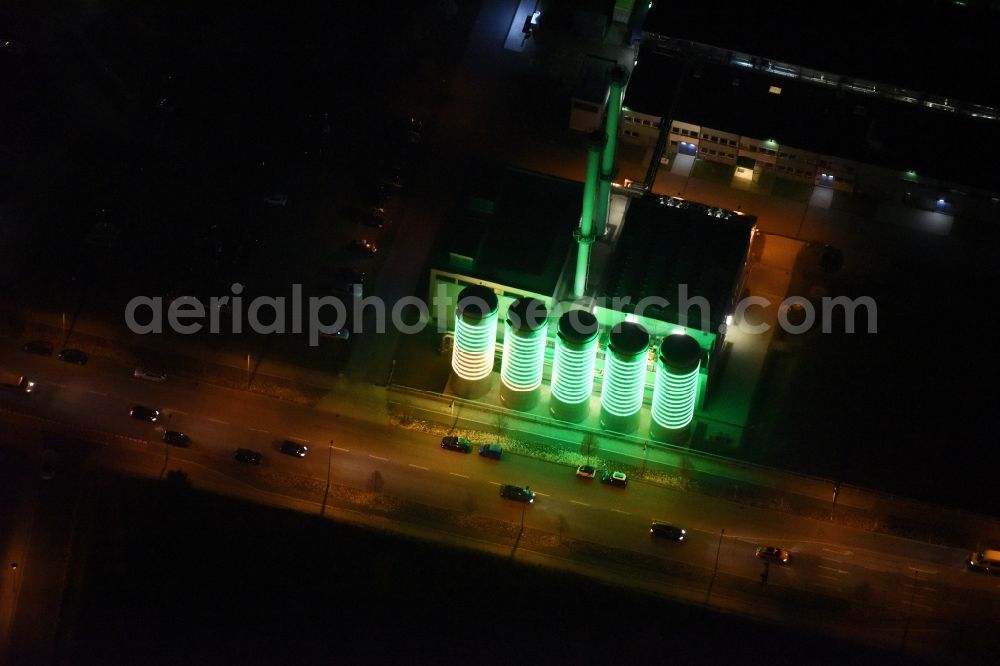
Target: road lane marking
580,503
259,430
923,571
177,411
298,438
418,467
95,392
840,571
218,421
464,476
839,552
540,494
494,483
827,576
370,455
622,512
340,449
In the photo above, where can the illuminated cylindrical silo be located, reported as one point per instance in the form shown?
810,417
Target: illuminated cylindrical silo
474,352
523,353
624,377
573,365
676,388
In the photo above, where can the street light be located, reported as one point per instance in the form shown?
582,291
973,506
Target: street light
718,550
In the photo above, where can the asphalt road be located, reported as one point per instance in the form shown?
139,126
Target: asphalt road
925,582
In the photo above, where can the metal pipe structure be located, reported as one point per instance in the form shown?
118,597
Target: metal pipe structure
618,79
584,235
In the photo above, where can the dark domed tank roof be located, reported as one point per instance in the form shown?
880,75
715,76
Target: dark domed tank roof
629,338
680,351
527,314
578,327
474,298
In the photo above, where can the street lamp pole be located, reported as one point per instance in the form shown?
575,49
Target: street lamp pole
718,550
909,612
329,464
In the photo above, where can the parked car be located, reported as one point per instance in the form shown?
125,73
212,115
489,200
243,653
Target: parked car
276,199
363,246
617,479
290,448
517,493
667,531
73,356
248,456
149,375
176,438
586,471
40,347
773,554
453,443
986,561
144,413
494,451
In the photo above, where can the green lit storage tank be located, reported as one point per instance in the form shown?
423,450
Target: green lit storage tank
473,355
624,377
573,366
676,388
523,353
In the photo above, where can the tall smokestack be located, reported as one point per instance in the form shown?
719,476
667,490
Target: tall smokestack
585,234
618,78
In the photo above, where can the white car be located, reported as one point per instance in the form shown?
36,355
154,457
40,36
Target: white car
586,471
149,375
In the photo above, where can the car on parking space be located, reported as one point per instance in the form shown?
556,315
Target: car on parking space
248,456
40,347
494,451
667,531
149,375
517,493
617,479
176,438
48,465
773,554
586,471
290,448
73,356
453,443
144,413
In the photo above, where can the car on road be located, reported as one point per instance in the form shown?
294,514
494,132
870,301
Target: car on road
176,438
290,448
149,375
363,246
667,531
48,465
144,413
276,199
494,451
987,561
73,356
517,493
617,479
773,554
453,443
586,471
248,456
40,347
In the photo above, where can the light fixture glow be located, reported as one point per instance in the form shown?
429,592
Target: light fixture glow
573,370
523,358
624,381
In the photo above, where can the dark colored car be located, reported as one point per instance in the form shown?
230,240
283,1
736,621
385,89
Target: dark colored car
290,448
40,347
617,479
144,413
248,456
73,356
176,438
491,451
773,554
517,493
667,531
456,444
